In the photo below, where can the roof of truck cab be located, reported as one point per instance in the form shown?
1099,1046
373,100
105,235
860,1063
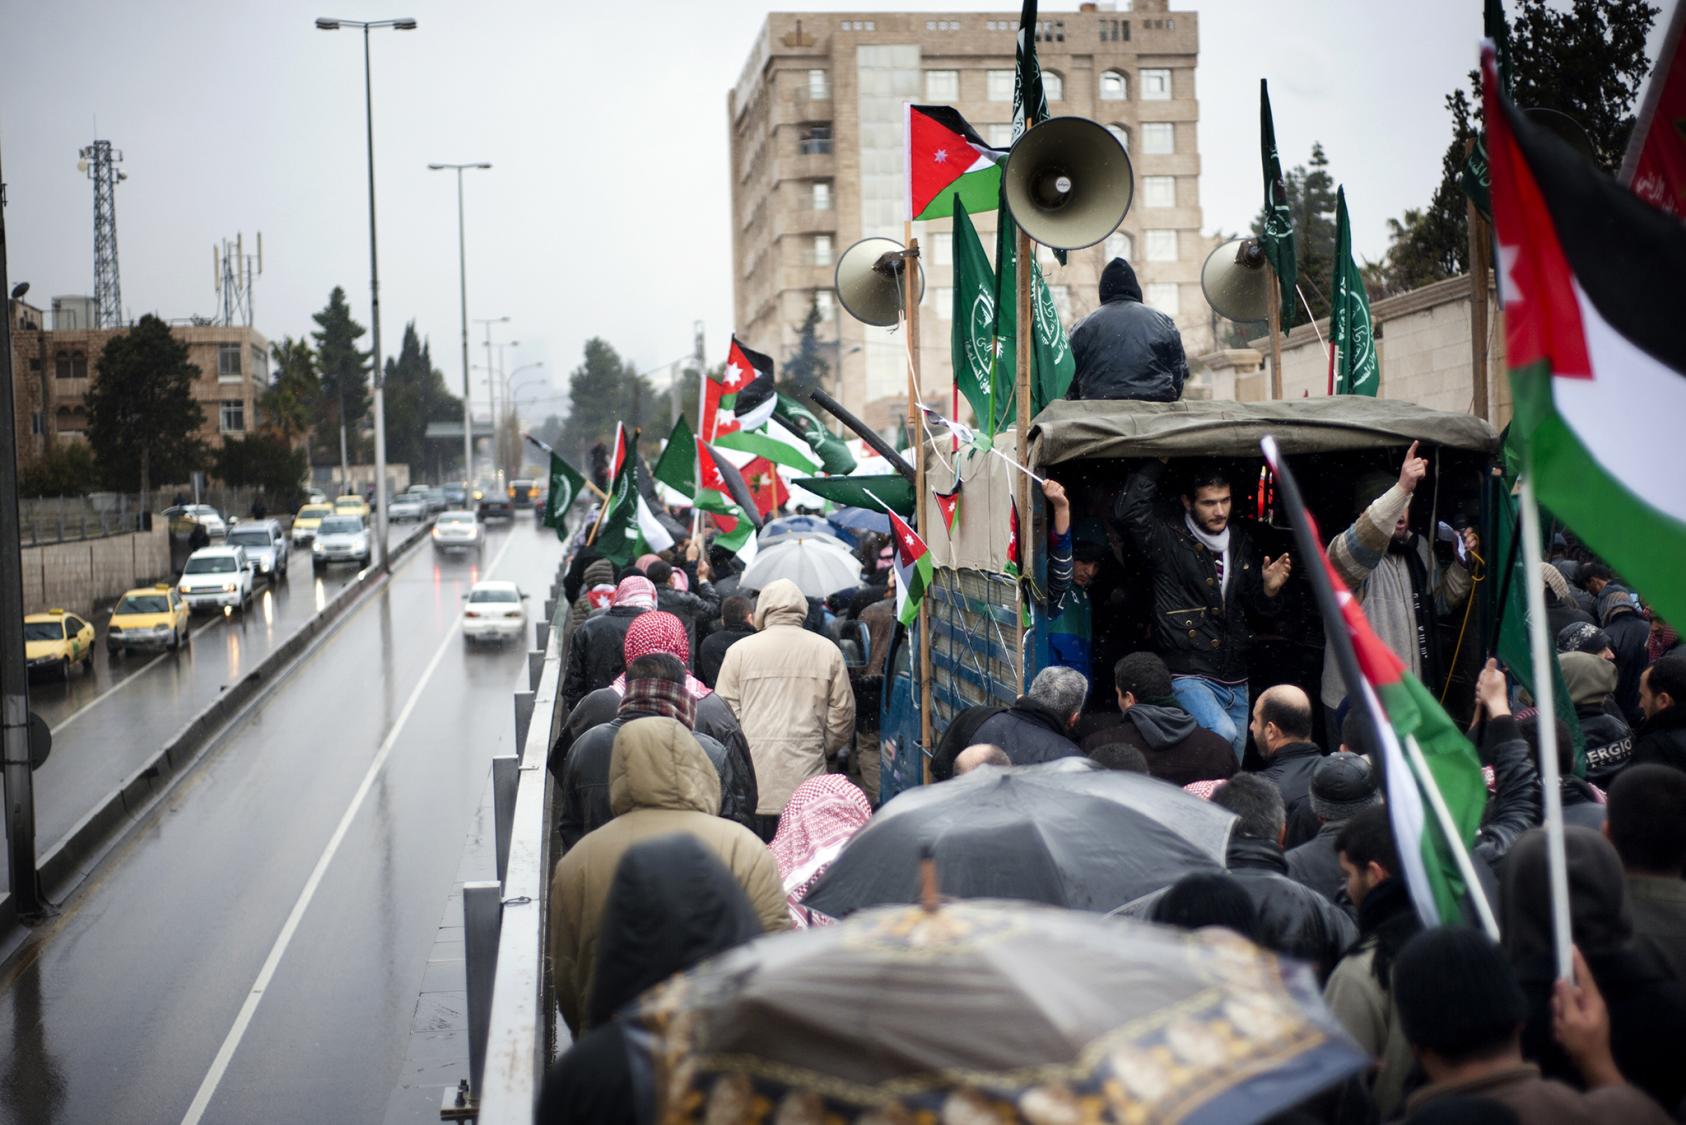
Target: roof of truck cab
1068,430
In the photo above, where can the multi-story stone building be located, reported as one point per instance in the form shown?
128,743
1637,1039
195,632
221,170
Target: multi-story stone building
53,366
819,161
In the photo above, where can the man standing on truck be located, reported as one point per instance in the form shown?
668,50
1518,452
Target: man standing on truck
1205,577
1124,349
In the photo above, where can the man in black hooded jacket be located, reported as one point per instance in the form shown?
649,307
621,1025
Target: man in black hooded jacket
1125,349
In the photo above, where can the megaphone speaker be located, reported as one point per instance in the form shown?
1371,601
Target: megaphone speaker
869,281
1236,280
1068,182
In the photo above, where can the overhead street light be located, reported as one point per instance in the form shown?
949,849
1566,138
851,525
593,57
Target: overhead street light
325,23
462,278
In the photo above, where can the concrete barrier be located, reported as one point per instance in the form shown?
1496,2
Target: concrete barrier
77,575
64,864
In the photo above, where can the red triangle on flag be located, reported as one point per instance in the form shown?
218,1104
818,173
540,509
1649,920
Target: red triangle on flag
938,156
948,503
765,484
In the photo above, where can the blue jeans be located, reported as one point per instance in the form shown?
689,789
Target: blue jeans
1220,708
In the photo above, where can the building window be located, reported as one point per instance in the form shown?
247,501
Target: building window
1062,301
941,249
1053,85
1162,295
1156,85
822,195
942,85
1050,31
1161,245
1115,31
70,365
233,416
822,249
998,85
815,138
942,25
1159,191
823,303
38,422
228,363
1159,138
1114,86
260,365
1119,244
999,134
942,296
859,25
819,84
1121,133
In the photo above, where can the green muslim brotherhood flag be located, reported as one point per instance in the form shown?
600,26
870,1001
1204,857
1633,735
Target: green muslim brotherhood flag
565,485
834,455
1278,237
1475,177
1053,366
973,340
1353,353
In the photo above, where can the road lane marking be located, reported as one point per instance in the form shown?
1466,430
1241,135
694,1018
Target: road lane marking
242,1021
131,678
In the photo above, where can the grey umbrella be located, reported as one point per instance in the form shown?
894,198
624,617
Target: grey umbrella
818,564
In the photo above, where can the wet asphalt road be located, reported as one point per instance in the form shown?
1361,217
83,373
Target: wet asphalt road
120,1009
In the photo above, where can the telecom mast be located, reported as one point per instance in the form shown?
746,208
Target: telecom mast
99,162
233,271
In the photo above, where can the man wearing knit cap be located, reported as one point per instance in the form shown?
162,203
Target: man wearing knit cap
1585,637
1342,786
1561,607
1393,572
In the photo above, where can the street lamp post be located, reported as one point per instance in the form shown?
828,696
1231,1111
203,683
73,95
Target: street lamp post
499,404
487,322
366,26
462,278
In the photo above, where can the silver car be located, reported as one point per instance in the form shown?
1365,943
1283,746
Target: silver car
341,539
458,531
407,506
265,544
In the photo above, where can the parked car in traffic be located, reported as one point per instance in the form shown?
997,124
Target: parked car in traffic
146,618
456,495
407,507
55,640
306,522
341,538
217,578
351,506
458,531
202,514
265,545
494,611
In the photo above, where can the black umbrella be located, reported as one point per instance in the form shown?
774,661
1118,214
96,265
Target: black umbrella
1008,834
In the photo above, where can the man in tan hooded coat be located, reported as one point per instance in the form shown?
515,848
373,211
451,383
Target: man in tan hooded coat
660,783
790,691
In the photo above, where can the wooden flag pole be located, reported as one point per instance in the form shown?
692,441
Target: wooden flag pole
1275,300
1023,327
915,394
603,508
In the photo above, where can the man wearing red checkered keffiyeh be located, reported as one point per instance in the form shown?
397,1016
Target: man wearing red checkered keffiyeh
823,814
660,632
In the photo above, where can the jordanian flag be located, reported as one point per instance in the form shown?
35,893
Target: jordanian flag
1594,281
719,490
1353,367
628,528
946,161
744,367
1406,721
565,485
913,569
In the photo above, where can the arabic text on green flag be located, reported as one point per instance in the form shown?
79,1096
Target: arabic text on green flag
973,342
565,485
1357,371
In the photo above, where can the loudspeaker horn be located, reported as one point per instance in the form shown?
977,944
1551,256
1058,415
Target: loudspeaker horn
1565,127
869,281
1068,182
1236,280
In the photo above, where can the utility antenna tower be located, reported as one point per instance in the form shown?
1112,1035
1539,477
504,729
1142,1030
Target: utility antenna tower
233,271
99,163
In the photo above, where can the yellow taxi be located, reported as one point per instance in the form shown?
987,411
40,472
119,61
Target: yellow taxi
55,640
146,618
351,506
307,521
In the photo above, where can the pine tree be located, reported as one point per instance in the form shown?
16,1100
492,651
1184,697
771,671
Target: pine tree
345,379
604,390
143,421
289,405
807,366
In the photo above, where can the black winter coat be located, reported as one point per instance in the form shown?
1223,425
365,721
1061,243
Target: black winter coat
585,780
1609,744
1630,637
712,652
1662,738
1197,630
596,652
1293,919
738,793
1290,770
1125,349
693,609
1316,864
1029,732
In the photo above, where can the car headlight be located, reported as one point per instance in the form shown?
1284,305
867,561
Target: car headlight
185,588
160,628
318,548
228,587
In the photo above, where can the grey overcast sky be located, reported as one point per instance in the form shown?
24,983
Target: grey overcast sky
607,210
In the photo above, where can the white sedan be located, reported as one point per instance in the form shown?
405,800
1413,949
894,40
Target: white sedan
458,531
407,506
495,611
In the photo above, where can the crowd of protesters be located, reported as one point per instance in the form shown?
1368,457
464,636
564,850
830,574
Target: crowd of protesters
720,752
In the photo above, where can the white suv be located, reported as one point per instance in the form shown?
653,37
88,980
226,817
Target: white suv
217,577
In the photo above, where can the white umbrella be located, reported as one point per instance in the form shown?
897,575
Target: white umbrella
818,564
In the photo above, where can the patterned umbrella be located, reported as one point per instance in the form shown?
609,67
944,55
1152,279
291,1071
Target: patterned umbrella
989,1011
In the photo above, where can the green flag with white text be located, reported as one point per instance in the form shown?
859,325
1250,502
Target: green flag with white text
565,485
1278,237
973,338
1353,347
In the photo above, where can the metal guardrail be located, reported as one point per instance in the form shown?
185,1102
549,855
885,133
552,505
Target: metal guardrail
510,1000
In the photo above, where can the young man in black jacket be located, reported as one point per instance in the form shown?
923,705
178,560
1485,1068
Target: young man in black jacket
1206,578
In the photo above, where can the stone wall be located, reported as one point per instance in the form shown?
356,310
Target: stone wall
77,576
1422,341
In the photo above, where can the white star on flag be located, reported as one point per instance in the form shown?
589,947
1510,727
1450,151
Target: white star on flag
940,156
734,375
1509,290
908,539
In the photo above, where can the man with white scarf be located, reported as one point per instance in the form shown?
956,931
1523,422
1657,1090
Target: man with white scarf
1206,578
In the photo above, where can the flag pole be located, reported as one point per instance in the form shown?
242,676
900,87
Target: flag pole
1460,854
1541,648
591,484
915,392
702,435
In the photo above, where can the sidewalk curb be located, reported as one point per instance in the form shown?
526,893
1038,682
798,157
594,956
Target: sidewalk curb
66,864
